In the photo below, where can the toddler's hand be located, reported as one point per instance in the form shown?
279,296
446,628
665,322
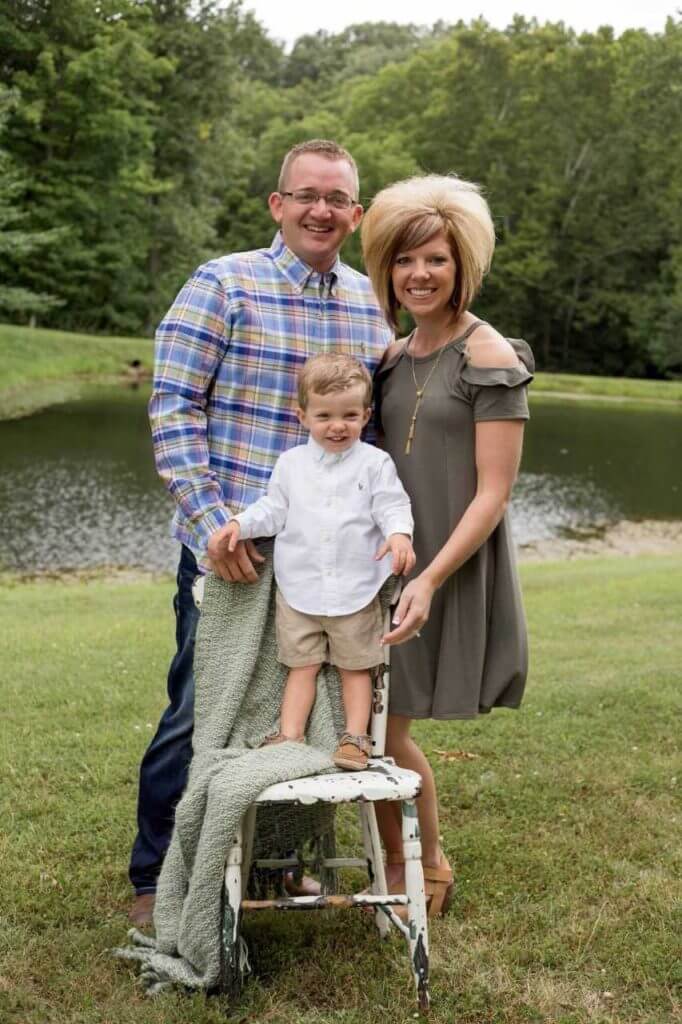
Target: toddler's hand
232,532
401,549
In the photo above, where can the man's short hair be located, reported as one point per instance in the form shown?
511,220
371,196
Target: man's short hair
409,213
324,147
333,371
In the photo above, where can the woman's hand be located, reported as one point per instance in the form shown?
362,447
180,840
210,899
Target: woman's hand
412,611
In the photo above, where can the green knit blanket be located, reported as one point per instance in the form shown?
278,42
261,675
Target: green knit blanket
239,685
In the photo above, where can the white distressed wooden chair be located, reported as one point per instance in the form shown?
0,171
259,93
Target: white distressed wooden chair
382,780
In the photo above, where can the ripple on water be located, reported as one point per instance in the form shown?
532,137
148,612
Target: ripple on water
77,517
545,506
80,517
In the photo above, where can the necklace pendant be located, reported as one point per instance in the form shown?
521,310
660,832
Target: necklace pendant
410,436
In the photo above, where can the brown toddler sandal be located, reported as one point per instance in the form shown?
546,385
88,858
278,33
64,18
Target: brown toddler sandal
352,753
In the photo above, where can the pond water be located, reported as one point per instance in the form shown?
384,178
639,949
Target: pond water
78,486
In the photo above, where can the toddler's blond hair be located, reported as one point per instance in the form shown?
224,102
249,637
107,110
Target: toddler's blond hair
333,371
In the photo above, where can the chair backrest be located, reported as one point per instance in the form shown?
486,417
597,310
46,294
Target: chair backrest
380,687
381,682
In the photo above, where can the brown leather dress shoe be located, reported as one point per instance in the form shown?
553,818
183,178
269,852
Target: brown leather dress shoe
142,911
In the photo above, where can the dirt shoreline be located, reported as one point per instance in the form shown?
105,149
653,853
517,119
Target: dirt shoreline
625,538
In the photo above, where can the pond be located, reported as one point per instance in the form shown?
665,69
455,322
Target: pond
78,487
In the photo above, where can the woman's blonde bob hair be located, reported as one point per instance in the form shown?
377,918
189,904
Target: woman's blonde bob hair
408,214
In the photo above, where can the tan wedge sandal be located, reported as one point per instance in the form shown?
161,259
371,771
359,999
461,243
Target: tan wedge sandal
439,885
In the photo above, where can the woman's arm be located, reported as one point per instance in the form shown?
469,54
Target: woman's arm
498,454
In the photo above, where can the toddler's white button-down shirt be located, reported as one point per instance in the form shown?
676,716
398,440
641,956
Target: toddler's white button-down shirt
330,514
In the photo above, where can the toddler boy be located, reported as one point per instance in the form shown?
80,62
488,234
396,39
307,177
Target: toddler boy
343,524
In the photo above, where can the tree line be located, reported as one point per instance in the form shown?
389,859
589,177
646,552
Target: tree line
141,137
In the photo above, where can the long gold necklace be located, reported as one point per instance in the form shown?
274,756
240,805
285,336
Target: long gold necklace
420,394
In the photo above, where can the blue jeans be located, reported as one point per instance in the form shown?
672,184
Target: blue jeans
163,772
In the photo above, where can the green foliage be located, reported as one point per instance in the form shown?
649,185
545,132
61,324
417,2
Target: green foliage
150,133
16,241
123,130
84,135
586,222
362,49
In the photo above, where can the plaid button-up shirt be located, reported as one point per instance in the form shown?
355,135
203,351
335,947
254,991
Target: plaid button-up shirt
227,354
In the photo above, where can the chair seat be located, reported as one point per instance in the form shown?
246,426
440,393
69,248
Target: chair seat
381,780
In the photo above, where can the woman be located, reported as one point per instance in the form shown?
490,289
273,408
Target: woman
452,403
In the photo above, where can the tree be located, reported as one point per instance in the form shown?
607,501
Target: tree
16,240
361,49
82,135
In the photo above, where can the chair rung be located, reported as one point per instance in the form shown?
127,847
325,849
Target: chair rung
327,902
343,862
277,862
293,862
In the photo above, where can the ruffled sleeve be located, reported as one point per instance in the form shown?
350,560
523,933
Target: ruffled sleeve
500,393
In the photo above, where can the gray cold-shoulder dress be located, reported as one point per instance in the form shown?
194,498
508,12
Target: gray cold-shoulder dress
472,654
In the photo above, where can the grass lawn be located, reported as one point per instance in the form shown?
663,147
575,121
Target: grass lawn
41,368
565,826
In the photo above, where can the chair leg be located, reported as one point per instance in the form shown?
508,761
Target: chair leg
231,978
248,833
375,861
416,907
329,877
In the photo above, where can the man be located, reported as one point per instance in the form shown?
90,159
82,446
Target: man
222,410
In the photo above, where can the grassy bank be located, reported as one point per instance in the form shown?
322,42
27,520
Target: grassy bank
576,385
41,368
564,824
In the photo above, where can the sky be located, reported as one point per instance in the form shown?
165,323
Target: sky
286,20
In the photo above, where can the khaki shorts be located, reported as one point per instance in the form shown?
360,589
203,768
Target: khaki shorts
347,641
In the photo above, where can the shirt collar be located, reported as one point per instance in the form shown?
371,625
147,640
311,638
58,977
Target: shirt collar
323,458
297,272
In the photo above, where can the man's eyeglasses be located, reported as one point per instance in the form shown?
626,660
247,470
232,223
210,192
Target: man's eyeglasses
308,197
